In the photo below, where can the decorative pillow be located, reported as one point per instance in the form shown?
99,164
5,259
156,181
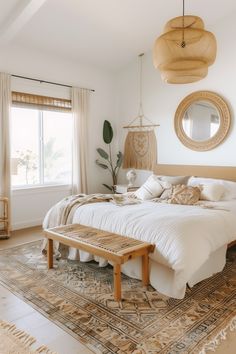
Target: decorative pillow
152,188
230,187
185,195
167,193
174,180
212,192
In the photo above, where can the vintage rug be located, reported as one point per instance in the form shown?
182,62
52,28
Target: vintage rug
16,341
79,298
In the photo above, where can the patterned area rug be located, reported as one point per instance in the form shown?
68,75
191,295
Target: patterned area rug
79,298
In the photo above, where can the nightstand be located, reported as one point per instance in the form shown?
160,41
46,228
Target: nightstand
132,189
4,218
123,188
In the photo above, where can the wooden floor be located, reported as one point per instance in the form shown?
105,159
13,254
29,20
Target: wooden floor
12,309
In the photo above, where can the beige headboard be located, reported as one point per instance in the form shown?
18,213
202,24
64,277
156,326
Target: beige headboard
221,172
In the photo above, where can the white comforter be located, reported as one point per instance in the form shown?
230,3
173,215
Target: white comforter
185,236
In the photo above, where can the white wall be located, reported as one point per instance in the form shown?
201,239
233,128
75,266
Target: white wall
116,99
30,207
160,101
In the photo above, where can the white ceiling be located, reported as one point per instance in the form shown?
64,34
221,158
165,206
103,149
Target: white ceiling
6,9
105,33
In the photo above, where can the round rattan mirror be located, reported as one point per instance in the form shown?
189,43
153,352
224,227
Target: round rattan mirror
202,120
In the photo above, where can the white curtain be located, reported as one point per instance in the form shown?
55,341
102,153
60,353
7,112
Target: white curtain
80,103
5,106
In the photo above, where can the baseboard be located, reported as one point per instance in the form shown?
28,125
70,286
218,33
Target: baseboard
25,224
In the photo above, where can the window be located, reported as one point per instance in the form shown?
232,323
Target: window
41,147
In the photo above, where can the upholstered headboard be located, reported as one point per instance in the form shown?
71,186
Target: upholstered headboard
220,172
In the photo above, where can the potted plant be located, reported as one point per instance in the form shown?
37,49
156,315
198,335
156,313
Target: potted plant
108,163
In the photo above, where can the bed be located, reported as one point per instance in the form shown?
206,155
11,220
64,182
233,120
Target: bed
191,241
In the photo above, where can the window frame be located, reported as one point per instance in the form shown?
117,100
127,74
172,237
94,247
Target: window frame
42,185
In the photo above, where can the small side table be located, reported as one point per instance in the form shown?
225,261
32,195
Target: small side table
124,188
121,188
4,218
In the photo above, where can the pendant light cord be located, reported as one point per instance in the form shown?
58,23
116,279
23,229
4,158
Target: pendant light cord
183,43
141,87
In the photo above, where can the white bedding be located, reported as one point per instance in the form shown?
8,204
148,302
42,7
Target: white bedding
185,237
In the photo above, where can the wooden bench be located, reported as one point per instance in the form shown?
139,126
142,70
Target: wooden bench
116,248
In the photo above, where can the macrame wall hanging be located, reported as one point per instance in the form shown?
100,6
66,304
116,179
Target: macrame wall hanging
140,144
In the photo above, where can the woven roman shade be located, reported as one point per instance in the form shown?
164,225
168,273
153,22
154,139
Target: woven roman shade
21,99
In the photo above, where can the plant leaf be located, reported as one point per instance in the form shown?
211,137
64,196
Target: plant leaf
107,132
103,153
119,159
109,187
102,165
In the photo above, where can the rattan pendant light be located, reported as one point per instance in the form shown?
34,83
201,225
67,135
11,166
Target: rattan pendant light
185,50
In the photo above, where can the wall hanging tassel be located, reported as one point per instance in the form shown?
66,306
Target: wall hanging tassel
140,150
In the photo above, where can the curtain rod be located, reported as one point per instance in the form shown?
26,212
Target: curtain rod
47,82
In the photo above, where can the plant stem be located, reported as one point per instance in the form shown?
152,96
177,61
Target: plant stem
112,169
110,156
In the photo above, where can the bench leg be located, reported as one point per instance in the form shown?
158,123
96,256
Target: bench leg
145,269
117,282
50,253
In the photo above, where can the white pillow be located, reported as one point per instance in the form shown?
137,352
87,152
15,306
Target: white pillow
174,180
212,192
230,187
152,188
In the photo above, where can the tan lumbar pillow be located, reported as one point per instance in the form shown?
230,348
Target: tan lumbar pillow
186,195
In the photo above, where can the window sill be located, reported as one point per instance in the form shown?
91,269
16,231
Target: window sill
41,189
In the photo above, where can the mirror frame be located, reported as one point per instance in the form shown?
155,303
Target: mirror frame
225,120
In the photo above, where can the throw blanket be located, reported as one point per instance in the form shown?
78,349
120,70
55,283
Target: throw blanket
62,214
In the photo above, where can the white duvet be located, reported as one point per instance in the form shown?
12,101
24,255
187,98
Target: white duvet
185,236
